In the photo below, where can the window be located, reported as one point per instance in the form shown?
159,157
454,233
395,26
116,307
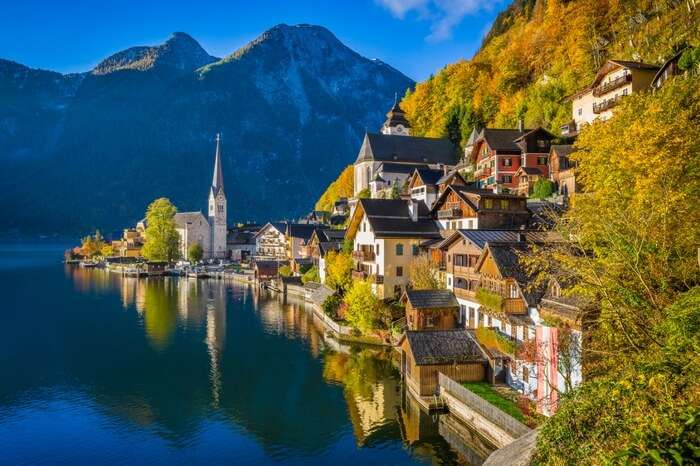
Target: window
399,249
541,143
512,291
430,321
399,271
580,111
504,203
471,224
377,249
541,160
624,92
488,203
459,224
507,178
507,162
415,249
449,281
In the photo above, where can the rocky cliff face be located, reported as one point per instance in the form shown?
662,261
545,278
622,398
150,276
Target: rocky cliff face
92,150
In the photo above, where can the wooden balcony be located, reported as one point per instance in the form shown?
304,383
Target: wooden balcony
363,255
450,212
464,293
606,105
612,85
514,306
465,272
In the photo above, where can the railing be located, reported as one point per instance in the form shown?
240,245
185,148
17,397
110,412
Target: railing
612,85
378,279
464,293
363,255
450,212
605,105
491,413
514,306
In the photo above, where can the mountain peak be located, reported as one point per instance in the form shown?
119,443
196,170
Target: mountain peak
180,52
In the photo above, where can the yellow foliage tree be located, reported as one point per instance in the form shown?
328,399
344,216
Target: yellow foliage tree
341,187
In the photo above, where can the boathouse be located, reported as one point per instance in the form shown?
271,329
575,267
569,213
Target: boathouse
426,353
431,309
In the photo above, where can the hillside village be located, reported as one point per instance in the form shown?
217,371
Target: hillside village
470,217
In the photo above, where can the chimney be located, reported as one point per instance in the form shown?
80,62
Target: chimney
444,169
520,125
413,209
521,237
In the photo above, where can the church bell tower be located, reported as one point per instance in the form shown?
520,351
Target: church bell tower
217,207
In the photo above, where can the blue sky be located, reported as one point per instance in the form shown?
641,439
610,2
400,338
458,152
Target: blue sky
417,37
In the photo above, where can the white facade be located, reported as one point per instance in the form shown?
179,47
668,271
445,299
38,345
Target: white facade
464,223
193,227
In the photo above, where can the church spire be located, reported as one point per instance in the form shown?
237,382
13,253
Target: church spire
217,182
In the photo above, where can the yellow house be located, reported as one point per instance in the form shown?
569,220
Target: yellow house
386,235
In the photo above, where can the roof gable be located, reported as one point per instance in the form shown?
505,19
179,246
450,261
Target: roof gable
408,149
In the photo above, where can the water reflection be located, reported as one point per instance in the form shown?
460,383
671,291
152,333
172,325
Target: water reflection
211,369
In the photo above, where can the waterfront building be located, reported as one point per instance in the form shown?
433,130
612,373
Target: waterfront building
320,244
386,235
271,242
425,354
130,243
561,169
209,232
430,309
240,241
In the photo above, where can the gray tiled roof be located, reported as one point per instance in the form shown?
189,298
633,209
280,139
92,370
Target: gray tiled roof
443,347
420,299
391,218
411,149
503,139
182,218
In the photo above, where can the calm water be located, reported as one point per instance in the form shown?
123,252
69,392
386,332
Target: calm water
99,369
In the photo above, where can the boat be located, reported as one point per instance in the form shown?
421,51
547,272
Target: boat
89,264
197,273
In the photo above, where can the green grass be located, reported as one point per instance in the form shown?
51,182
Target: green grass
486,391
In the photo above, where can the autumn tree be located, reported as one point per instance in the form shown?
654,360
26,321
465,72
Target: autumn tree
195,252
343,186
363,306
422,275
338,270
162,240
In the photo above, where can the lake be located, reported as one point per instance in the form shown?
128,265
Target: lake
100,369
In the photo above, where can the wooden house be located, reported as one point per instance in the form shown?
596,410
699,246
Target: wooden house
430,309
527,177
561,169
463,207
424,354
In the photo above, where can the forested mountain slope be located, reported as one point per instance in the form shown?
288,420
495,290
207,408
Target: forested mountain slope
537,53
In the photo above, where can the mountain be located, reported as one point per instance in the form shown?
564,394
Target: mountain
537,53
92,150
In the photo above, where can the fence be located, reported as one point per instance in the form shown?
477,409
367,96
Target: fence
491,413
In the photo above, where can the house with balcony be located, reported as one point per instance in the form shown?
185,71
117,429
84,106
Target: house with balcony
464,207
386,236
462,251
271,242
497,155
615,80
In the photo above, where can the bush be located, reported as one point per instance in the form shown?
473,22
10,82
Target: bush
490,300
311,275
363,307
330,306
542,189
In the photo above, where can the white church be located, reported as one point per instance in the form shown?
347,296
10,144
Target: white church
209,232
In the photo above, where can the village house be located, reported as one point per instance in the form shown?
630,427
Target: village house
561,169
460,254
430,309
615,80
386,235
427,184
240,241
464,207
130,243
389,158
497,155
426,353
668,70
271,242
193,228
320,244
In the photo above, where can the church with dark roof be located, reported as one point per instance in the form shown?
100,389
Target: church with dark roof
389,157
